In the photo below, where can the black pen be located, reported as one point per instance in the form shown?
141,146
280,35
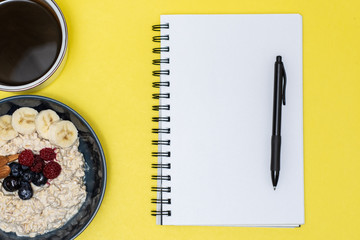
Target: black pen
279,99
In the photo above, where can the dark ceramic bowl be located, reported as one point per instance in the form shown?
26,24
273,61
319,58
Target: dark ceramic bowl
95,174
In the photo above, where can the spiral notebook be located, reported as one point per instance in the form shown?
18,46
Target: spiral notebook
214,101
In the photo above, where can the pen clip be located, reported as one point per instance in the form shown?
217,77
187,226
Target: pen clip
284,84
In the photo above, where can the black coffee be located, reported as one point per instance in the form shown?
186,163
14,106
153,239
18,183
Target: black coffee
30,41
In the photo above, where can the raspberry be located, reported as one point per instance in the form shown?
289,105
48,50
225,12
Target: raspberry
52,170
48,154
26,158
38,164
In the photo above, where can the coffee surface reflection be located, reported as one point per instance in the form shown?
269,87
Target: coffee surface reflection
30,41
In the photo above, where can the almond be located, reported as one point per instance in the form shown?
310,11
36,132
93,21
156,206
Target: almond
8,159
4,171
12,158
3,161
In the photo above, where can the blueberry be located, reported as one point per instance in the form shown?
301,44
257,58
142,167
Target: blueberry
24,184
28,175
39,179
24,168
16,169
25,192
11,183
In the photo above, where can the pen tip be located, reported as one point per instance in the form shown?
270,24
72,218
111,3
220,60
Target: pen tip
274,188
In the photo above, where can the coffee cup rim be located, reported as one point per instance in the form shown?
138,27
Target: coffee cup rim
55,66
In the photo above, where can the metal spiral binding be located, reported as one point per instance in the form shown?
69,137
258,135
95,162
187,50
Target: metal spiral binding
160,107
161,84
161,201
161,213
161,119
164,165
160,154
161,49
161,95
160,142
160,26
161,189
158,73
161,131
161,38
161,177
161,61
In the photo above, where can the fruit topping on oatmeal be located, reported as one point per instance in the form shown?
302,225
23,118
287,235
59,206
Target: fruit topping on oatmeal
5,169
31,168
63,133
26,158
11,184
38,164
43,121
7,132
23,120
47,124
47,154
52,170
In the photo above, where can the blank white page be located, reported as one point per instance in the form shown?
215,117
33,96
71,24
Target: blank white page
221,97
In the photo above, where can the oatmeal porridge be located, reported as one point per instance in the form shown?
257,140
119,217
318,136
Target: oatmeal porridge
31,206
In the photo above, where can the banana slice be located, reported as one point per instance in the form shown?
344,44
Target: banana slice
23,120
63,133
43,121
2,142
7,132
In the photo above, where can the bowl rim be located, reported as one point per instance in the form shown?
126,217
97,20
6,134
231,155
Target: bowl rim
103,186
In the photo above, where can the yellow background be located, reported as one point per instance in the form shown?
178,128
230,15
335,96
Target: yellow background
107,79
